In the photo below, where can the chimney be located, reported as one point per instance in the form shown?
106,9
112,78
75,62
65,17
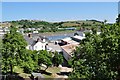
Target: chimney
38,39
29,35
43,40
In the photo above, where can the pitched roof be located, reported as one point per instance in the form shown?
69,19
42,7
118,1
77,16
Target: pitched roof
69,40
33,39
69,48
29,40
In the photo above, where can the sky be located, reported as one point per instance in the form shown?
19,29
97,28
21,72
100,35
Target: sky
60,0
0,11
60,11
119,7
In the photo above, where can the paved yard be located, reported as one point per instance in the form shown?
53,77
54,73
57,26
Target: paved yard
54,47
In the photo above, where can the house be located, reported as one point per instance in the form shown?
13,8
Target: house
80,33
35,31
21,30
1,31
68,50
77,38
53,47
68,40
69,45
35,42
4,30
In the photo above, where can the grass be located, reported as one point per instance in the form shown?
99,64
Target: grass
70,24
0,50
17,69
53,70
20,72
24,75
47,76
0,42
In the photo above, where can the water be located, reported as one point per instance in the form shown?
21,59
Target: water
58,37
61,36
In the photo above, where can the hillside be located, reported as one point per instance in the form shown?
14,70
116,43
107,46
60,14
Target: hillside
6,24
82,23
37,23
43,26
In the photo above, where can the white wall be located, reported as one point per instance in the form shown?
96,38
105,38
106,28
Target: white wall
66,55
39,46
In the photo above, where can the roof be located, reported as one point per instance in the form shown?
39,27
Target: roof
37,75
53,47
69,48
70,41
29,40
66,39
32,40
79,37
66,69
80,33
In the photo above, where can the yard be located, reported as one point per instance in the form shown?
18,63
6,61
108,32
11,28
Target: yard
51,72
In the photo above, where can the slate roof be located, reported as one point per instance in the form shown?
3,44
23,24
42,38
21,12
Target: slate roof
30,41
33,40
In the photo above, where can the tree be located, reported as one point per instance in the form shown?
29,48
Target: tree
44,57
98,56
24,26
76,34
57,59
30,59
105,21
13,45
118,19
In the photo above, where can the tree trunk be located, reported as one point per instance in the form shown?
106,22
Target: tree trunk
46,68
11,69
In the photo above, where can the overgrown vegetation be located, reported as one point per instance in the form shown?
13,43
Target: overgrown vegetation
15,56
98,56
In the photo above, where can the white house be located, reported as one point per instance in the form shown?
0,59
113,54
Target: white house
38,44
35,31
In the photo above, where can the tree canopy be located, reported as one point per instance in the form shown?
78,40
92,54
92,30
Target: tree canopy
57,59
118,19
98,56
45,58
13,45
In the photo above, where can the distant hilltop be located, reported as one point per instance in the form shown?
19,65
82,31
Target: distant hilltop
38,23
5,24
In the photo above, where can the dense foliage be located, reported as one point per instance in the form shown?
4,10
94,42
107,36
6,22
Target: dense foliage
30,63
13,47
15,54
118,19
98,56
57,59
45,58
